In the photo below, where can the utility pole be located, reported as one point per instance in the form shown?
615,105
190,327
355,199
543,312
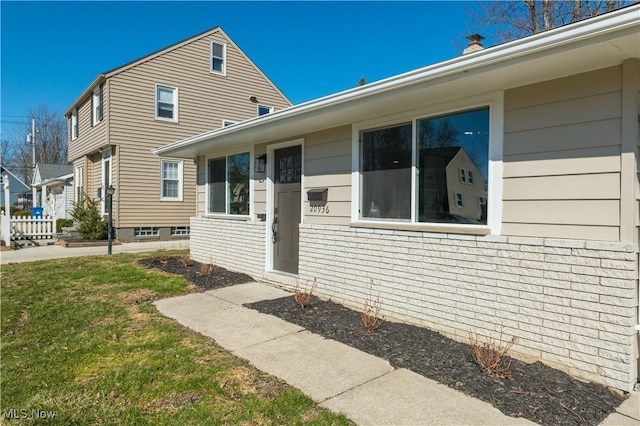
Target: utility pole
34,192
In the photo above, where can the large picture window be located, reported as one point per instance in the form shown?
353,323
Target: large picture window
386,173
228,185
426,170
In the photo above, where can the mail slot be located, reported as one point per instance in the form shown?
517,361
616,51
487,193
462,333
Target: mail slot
317,194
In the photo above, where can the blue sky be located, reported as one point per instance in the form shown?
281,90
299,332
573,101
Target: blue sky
51,51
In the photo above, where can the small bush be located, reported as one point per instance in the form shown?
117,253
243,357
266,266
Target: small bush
303,298
491,355
63,223
371,318
90,224
164,258
206,268
186,261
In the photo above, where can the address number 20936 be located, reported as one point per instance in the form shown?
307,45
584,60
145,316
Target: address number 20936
319,208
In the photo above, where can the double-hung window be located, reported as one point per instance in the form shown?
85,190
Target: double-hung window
97,100
228,185
171,185
218,57
166,103
74,124
424,170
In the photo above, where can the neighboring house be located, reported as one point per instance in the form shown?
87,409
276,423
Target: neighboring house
18,190
551,123
54,185
200,83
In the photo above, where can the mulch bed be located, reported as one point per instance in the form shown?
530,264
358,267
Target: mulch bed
203,279
533,391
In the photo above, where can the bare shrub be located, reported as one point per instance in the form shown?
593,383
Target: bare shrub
186,261
206,268
491,355
303,298
164,258
371,318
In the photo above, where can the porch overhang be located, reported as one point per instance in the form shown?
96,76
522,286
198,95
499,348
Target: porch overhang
599,42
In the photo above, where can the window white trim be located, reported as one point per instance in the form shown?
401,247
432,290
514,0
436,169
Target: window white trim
146,231
97,98
495,102
180,164
226,213
106,178
78,183
223,71
227,123
267,107
74,124
174,89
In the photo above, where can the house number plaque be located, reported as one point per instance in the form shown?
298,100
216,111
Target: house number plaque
319,208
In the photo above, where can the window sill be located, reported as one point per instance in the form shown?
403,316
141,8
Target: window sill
244,218
166,120
221,74
175,200
426,227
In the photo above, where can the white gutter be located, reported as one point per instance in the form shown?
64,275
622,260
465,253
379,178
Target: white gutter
587,30
52,180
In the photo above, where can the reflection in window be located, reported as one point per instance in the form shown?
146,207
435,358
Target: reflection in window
238,176
228,185
386,173
455,149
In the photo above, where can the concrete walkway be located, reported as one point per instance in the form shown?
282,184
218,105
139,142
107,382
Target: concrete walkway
365,388
32,254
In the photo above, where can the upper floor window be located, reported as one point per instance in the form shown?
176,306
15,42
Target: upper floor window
166,103
74,124
264,110
227,123
97,105
228,185
423,170
171,180
218,57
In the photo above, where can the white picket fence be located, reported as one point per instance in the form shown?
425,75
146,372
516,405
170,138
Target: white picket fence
30,227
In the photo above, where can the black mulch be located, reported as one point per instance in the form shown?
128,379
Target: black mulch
203,279
534,391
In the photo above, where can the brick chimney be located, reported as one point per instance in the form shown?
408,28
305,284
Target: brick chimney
474,44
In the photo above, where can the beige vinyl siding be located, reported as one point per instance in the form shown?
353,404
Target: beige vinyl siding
90,137
562,158
328,165
204,99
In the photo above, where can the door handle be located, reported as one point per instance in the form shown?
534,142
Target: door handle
274,232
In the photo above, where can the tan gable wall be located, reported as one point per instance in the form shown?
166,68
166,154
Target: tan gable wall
204,100
90,137
562,158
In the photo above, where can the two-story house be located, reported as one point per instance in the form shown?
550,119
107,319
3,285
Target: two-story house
190,87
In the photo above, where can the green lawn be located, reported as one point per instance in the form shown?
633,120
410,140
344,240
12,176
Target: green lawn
81,338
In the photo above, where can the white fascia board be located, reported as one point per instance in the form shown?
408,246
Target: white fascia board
593,30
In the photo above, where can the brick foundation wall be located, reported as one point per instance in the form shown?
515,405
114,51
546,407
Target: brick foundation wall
232,244
572,304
